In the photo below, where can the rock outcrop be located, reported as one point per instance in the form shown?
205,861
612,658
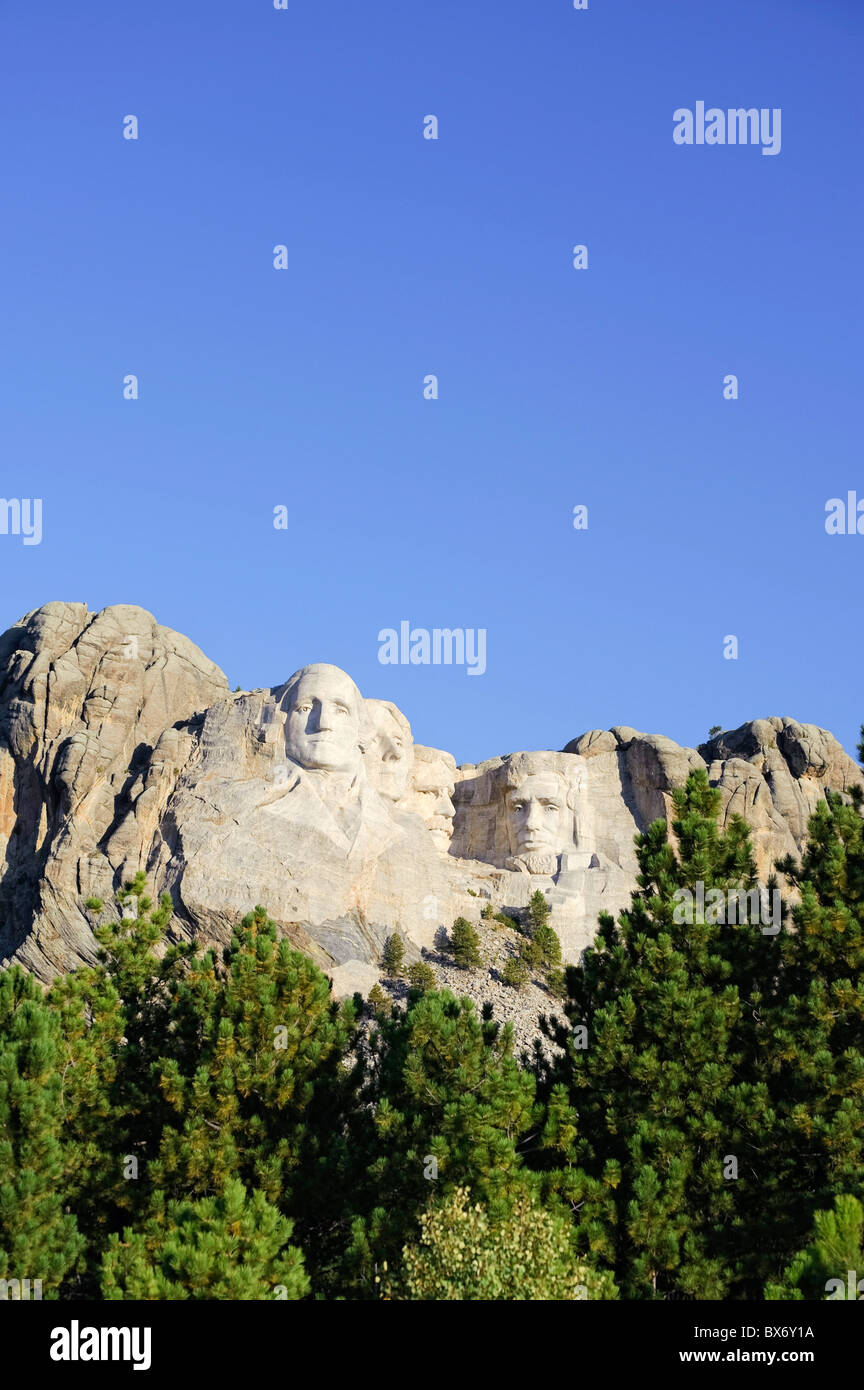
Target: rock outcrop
121,748
84,700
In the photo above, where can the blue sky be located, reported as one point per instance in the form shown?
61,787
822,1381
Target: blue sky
304,387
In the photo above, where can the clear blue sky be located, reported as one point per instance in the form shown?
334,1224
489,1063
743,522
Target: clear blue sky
406,257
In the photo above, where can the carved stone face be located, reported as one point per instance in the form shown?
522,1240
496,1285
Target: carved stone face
433,790
322,727
539,822
390,754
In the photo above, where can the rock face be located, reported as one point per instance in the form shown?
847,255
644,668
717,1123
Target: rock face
121,748
84,699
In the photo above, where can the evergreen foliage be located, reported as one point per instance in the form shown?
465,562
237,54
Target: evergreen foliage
537,912
421,976
38,1239
226,1247
394,955
447,1105
380,1004
465,944
179,1124
556,983
641,1123
817,1053
515,972
832,1266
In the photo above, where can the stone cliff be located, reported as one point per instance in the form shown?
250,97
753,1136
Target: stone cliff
121,748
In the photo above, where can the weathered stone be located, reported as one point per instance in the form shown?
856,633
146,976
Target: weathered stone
83,699
121,749
430,796
775,772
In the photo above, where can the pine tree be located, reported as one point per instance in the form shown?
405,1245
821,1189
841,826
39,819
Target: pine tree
228,1070
542,950
515,972
380,1003
394,955
258,1087
540,947
465,944
659,1096
421,976
832,1266
39,1239
530,954
445,1105
556,983
547,941
225,1247
184,1072
817,1051
115,1023
537,912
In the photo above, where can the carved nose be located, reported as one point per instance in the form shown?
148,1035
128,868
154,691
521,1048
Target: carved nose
323,719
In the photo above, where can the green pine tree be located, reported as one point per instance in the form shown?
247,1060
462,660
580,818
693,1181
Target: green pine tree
258,1088
380,1003
816,1060
39,1238
184,1072
445,1105
546,939
832,1266
515,972
465,945
540,947
114,1023
659,1097
556,983
231,1246
421,976
394,955
537,912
